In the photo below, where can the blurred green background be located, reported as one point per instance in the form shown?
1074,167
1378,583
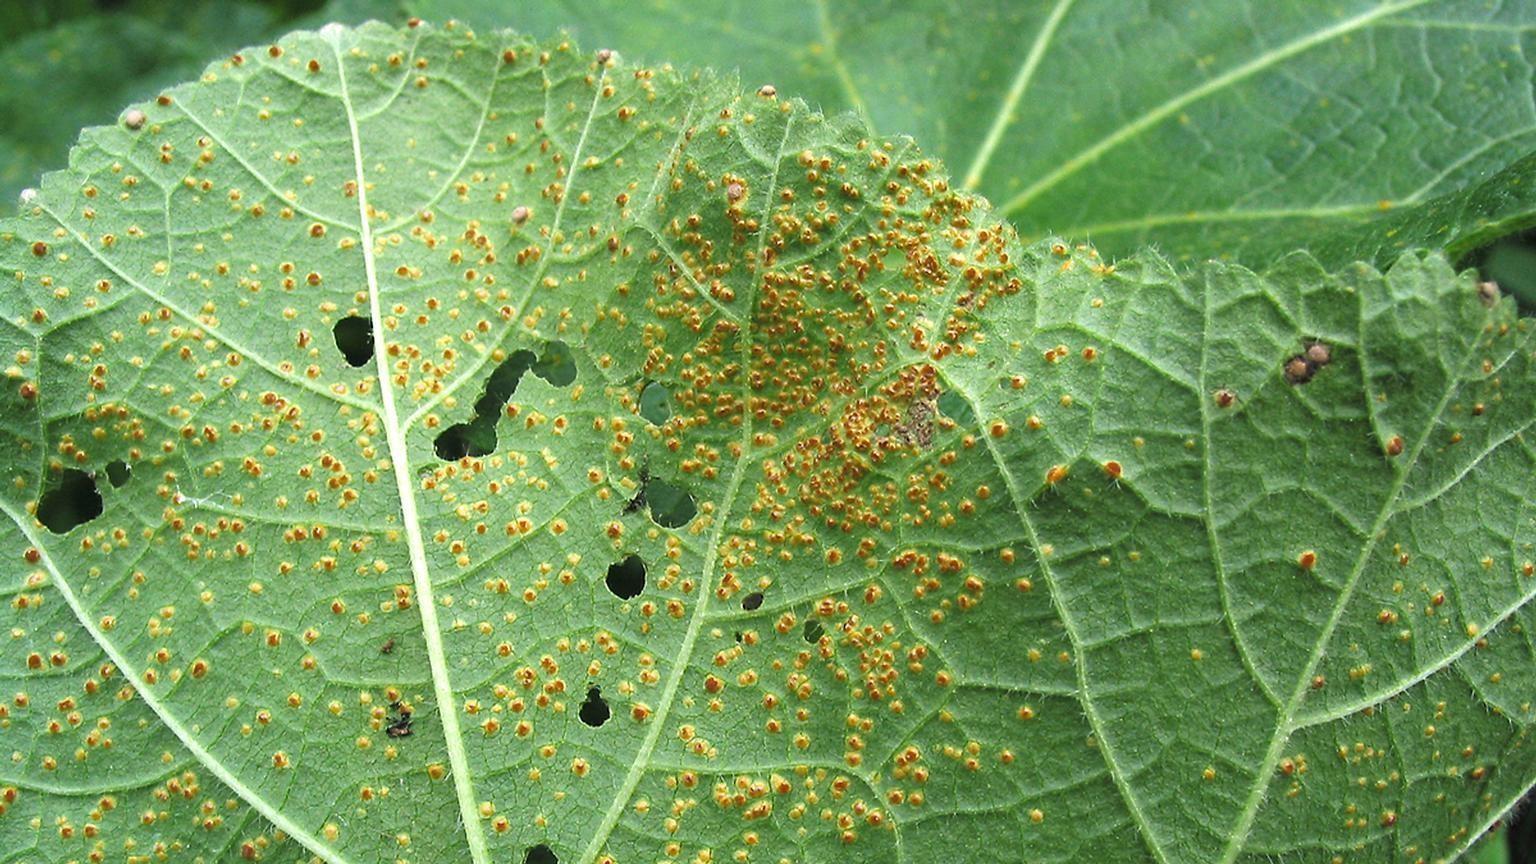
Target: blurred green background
76,63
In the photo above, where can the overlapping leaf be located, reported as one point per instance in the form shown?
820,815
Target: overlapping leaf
1213,129
930,545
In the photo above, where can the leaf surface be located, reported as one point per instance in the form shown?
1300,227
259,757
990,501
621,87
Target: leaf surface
331,425
1214,129
70,65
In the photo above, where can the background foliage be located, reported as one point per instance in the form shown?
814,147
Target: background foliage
135,47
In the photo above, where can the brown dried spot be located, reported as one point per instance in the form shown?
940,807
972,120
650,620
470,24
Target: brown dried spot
134,119
768,91
1299,370
1225,398
1319,353
1488,292
1395,445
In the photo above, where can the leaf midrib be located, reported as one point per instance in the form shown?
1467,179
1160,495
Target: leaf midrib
1016,90
642,759
1286,724
1163,111
400,466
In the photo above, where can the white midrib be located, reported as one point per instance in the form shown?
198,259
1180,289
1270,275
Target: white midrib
1010,102
1167,109
133,673
399,457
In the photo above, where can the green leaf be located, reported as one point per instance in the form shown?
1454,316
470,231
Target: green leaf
945,548
1211,129
80,66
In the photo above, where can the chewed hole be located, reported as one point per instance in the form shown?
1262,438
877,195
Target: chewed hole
752,602
541,854
75,501
354,337
655,403
594,711
626,579
671,506
813,631
503,383
955,407
466,439
478,436
556,364
118,473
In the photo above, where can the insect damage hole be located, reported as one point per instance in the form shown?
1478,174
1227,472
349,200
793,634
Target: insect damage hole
118,473
478,436
556,365
594,709
813,631
655,403
354,339
541,854
671,506
954,406
626,579
752,602
75,501
465,439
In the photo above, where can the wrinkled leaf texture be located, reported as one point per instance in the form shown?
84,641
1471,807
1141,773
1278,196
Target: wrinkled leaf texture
944,547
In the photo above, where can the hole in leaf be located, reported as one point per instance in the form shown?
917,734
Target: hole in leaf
752,602
502,384
466,439
556,364
541,854
118,473
594,711
954,406
655,403
75,501
626,579
478,436
813,631
671,506
354,337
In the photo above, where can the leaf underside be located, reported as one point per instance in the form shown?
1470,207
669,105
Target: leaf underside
932,546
